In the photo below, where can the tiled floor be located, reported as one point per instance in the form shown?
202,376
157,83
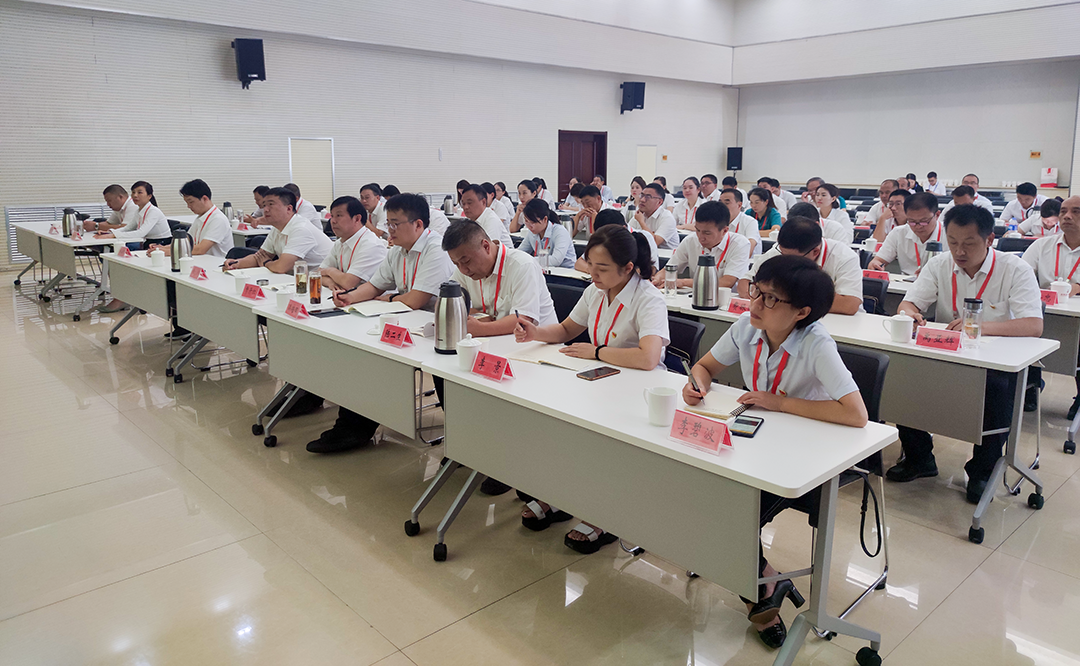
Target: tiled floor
142,523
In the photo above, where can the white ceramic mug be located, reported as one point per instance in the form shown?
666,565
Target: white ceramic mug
774,234
240,283
157,259
870,245
899,327
392,319
724,298
467,348
283,298
662,402
186,264
1062,287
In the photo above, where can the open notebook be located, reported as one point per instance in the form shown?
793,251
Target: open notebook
376,308
255,272
718,405
545,354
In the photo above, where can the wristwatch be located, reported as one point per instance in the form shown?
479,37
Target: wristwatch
596,355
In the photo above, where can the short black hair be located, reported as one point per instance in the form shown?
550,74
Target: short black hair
284,194
262,190
414,206
390,191
1027,189
1050,208
901,193
489,188
729,181
963,191
734,192
529,185
477,190
804,209
932,174
114,190
606,217
921,201
373,188
353,206
294,188
774,182
713,212
590,191
799,281
575,191
801,234
196,188
602,179
461,232
658,189
966,214
537,210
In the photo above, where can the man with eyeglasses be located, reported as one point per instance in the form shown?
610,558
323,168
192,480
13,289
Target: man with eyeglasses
711,236
907,242
895,205
881,209
654,219
802,236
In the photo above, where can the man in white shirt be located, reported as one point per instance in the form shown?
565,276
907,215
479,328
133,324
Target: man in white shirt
124,211
1011,307
148,225
741,223
881,209
373,201
474,206
711,236
830,228
304,208
788,198
812,186
592,202
605,192
972,181
802,236
497,206
654,218
730,182
1025,204
669,199
965,194
438,223
357,253
1044,222
258,193
709,189
934,186
292,238
211,232
894,207
907,242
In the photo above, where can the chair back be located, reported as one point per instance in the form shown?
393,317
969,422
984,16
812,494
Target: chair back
874,290
1014,244
868,369
254,242
685,338
564,297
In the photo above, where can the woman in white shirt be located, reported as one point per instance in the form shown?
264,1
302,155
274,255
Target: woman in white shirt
626,318
571,202
1043,223
800,372
669,200
527,191
545,194
827,201
688,205
501,195
150,225
637,186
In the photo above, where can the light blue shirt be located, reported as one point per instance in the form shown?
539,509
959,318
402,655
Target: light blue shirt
558,242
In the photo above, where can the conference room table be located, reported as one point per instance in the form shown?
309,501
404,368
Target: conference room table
588,448
921,380
45,245
240,236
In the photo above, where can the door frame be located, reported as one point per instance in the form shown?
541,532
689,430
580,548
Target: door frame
601,156
333,158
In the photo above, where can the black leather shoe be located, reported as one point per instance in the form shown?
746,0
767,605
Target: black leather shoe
766,609
774,636
907,471
335,445
1031,399
493,487
1074,408
975,488
307,404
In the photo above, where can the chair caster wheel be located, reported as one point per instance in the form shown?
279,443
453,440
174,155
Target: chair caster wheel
178,379
115,341
882,585
829,635
1036,501
257,429
1070,448
18,282
440,552
976,535
270,441
76,318
169,372
867,657
691,575
252,364
46,298
412,529
1035,466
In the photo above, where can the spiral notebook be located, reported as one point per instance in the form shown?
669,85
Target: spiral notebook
718,405
545,354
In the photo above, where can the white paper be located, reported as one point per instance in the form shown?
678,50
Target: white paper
545,354
376,308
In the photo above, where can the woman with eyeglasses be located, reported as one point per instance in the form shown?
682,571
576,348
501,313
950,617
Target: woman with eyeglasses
763,209
791,365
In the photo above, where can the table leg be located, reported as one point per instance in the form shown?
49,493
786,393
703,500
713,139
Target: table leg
170,365
412,527
18,278
475,479
112,332
50,285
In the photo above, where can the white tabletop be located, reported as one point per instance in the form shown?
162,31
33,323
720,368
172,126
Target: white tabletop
261,230
1070,307
789,456
88,240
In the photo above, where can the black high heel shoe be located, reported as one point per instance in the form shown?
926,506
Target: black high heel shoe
766,609
774,636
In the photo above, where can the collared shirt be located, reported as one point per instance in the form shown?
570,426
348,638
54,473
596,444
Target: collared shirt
128,216
424,267
437,221
1033,226
875,212
299,239
494,227
547,196
789,198
522,288
586,222
571,202
813,370
378,215
937,188
904,246
213,226
1051,257
669,200
732,255
841,217
684,212
606,194
781,205
1011,293
510,205
715,196
638,311
830,228
841,263
501,211
772,219
360,254
556,240
980,201
1015,211
661,223
306,210
150,223
747,226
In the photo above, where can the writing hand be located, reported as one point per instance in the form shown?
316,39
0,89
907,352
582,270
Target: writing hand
762,399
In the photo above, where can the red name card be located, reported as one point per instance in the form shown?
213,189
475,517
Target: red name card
124,252
296,310
491,366
199,273
396,336
700,432
252,291
936,338
1048,296
878,275
739,305
862,228
243,226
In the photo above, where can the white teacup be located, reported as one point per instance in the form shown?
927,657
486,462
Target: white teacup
467,348
870,245
392,319
1062,287
186,264
157,259
283,298
724,298
899,327
662,402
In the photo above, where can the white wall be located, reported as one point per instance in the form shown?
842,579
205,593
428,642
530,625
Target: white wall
983,119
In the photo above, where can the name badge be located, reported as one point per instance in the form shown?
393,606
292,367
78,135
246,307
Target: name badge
124,252
252,291
877,275
491,366
198,273
296,310
739,305
701,432
936,338
1048,296
395,336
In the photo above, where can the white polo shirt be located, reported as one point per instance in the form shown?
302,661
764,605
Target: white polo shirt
747,226
438,222
1051,257
904,246
510,205
874,214
547,196
213,226
715,196
299,239
1033,226
661,223
840,263
127,215
306,210
781,205
586,221
669,200
522,288
149,222
501,212
638,311
494,227
937,188
980,201
361,254
830,228
841,217
556,240
378,215
789,198
813,369
684,212
1015,211
732,255
1012,292
424,268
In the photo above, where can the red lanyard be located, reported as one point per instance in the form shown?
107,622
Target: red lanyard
990,274
498,284
918,257
723,254
779,369
299,202
207,219
547,240
1057,258
1043,230
596,324
344,267
824,252
686,215
143,218
405,263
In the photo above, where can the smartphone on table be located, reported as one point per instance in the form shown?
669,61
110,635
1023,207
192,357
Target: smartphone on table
598,373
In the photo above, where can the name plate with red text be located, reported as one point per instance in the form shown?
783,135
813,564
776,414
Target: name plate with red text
243,226
124,252
53,231
296,310
936,338
739,305
395,336
862,228
491,366
1048,296
252,291
700,432
877,275
199,273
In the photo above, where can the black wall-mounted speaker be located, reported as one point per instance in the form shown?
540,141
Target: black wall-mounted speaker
249,60
734,159
633,96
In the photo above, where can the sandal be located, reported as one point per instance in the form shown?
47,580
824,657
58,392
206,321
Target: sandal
541,520
597,539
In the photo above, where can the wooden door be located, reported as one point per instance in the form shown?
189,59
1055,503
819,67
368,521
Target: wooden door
582,155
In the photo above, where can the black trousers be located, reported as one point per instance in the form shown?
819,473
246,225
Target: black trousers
997,413
771,506
365,427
